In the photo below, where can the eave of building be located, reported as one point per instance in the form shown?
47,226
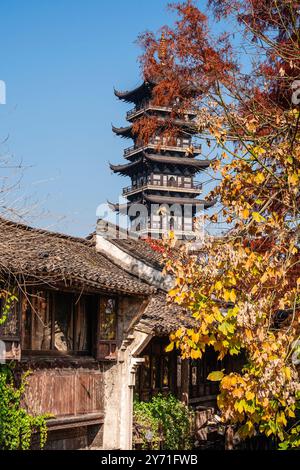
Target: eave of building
191,163
123,131
135,95
125,168
117,207
186,161
177,200
193,192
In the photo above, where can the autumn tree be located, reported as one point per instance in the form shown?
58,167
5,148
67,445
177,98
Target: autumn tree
243,287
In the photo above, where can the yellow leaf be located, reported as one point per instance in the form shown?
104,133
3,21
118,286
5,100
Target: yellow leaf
250,395
232,295
259,150
216,376
254,289
218,285
196,353
287,372
209,319
217,314
291,414
174,292
229,381
237,392
248,333
245,213
170,347
293,179
259,178
264,278
257,217
226,295
195,337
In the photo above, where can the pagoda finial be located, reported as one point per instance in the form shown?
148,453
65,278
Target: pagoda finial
162,49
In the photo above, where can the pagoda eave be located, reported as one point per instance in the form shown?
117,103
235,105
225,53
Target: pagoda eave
178,200
181,161
125,168
123,131
117,207
135,95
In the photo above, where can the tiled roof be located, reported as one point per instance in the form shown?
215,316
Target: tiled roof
44,256
139,248
162,318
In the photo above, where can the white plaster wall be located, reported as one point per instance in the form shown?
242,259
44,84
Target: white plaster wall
132,265
119,384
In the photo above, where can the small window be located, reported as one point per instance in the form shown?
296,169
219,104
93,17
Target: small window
108,319
63,324
194,376
37,324
56,322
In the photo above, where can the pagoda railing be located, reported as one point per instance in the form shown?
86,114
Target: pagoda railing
194,186
143,107
155,144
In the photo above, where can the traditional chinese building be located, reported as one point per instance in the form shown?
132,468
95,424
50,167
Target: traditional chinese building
69,328
163,193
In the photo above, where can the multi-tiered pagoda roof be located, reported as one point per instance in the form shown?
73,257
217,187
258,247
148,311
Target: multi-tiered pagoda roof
162,170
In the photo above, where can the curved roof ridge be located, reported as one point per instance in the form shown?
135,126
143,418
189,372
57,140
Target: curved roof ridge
124,166
122,131
177,160
134,94
178,200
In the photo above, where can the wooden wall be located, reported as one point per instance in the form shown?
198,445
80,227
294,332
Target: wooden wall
65,391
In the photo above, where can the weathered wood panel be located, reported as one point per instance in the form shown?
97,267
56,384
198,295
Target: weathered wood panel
64,392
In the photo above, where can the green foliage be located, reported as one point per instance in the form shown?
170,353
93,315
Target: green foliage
16,425
7,303
146,427
292,433
166,419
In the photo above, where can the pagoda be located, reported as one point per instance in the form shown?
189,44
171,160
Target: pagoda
163,194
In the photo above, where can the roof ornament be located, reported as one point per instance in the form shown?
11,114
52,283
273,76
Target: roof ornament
162,49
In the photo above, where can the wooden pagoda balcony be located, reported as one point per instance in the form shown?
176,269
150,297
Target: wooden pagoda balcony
129,151
151,183
144,107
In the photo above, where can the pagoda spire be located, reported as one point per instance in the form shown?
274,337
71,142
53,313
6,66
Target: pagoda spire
162,49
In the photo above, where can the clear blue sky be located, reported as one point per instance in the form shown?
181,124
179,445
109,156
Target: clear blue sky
60,60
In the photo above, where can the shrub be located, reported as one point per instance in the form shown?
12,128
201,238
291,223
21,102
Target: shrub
163,419
16,424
